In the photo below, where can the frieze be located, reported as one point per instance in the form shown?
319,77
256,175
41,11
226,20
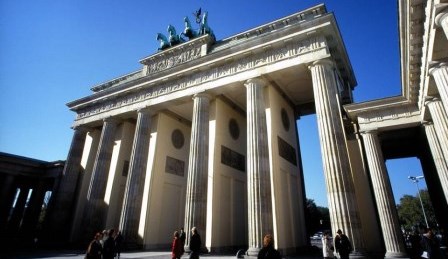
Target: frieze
387,114
293,49
162,63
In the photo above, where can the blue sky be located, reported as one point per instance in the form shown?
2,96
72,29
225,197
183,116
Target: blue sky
52,52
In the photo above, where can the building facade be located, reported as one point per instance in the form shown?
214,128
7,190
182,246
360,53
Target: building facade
204,135
27,186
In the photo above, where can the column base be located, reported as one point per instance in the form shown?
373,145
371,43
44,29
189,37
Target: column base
252,252
395,255
359,254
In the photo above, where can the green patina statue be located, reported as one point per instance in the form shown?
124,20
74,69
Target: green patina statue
188,32
164,43
174,38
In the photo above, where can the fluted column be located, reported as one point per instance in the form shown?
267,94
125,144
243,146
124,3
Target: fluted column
95,209
437,155
439,71
33,210
339,182
63,199
442,20
132,203
196,200
439,117
17,213
258,174
390,226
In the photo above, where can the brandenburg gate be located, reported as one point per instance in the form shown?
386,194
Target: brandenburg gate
204,135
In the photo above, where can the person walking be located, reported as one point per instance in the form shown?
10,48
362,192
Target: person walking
195,244
182,237
118,239
416,249
431,245
342,245
268,251
176,247
327,246
94,250
109,246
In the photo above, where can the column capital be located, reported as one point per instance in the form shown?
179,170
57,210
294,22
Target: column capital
441,11
435,65
369,131
82,128
202,94
323,62
427,123
430,99
145,110
255,81
111,120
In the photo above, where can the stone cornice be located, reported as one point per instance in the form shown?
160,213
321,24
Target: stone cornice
411,23
293,49
383,113
117,81
297,39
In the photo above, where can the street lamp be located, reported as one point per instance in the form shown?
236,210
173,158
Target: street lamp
415,180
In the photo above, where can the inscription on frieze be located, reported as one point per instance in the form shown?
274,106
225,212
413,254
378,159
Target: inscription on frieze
295,48
286,151
233,159
180,58
174,166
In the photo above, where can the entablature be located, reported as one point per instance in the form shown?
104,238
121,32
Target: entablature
172,73
384,114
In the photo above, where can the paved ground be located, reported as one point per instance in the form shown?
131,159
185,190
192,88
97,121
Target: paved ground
127,255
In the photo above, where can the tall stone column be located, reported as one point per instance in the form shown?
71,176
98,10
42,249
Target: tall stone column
132,203
387,212
442,19
437,154
439,117
33,210
60,214
8,190
196,200
258,174
95,208
17,213
439,71
339,182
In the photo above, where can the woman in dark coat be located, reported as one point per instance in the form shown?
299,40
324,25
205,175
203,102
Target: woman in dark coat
95,250
195,244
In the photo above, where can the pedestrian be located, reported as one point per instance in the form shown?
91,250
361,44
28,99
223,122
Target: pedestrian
195,244
327,246
118,243
416,246
94,250
182,237
104,236
268,251
109,246
176,247
342,245
431,245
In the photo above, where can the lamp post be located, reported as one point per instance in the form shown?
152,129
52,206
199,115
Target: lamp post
415,179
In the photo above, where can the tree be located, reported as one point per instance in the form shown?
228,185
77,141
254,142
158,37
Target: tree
410,211
317,218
